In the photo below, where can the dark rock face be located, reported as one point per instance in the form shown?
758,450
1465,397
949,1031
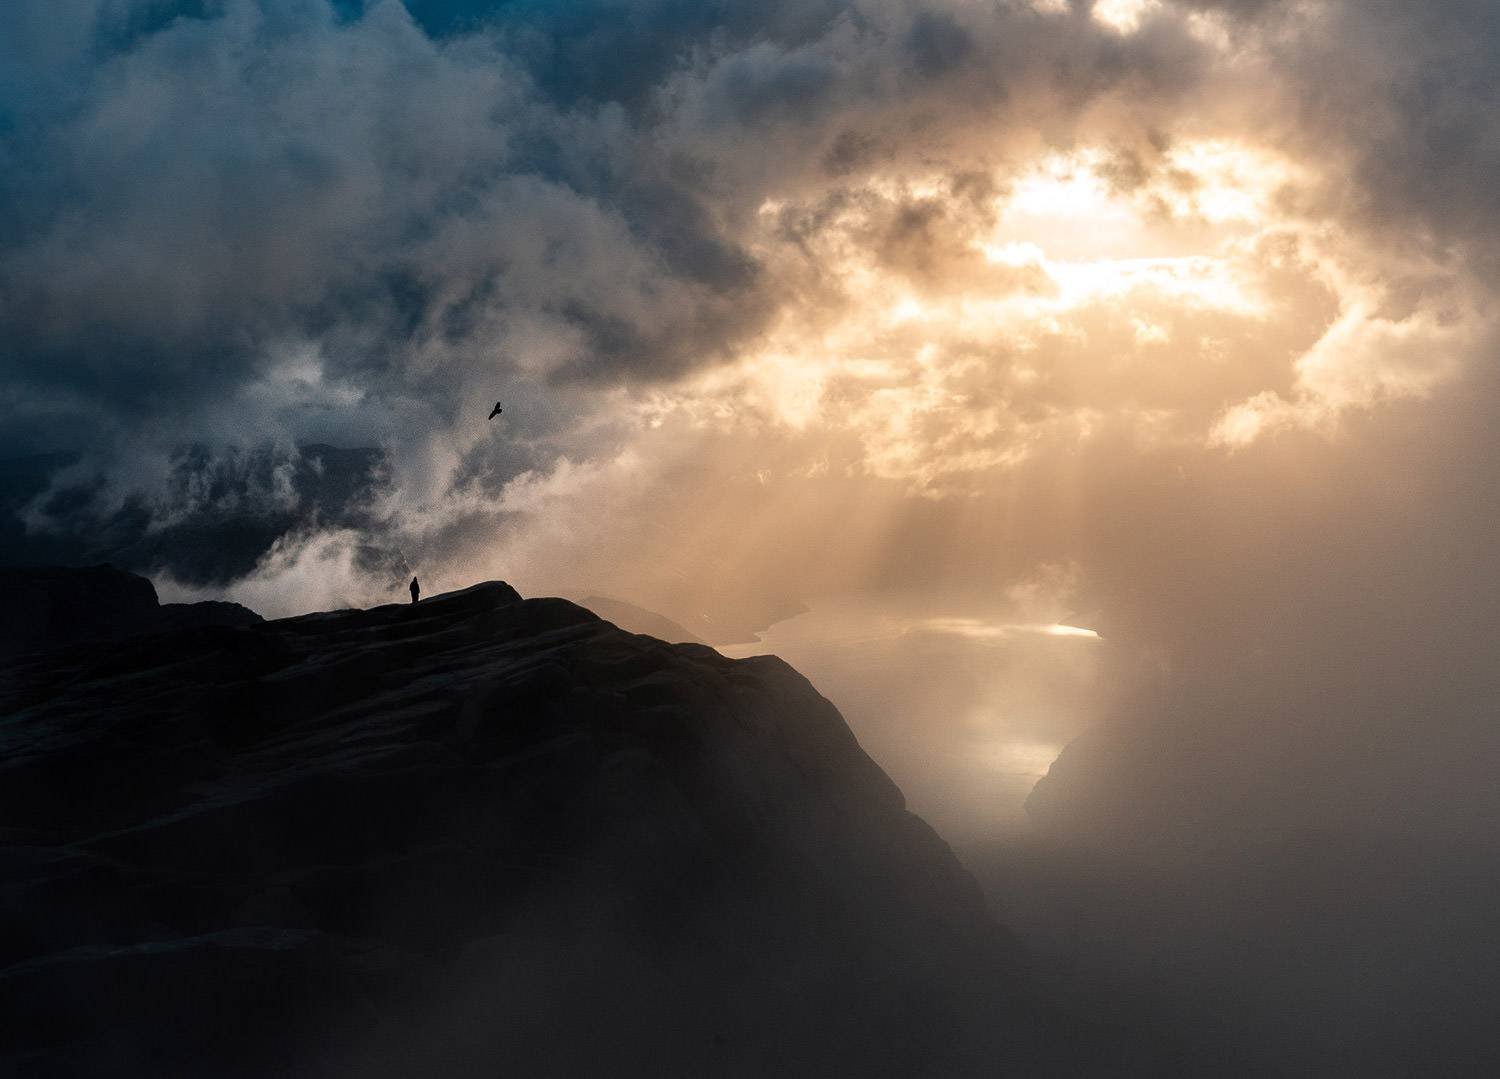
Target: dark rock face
476,836
53,606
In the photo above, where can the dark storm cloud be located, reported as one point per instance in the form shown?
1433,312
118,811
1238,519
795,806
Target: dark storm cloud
214,515
1427,143
275,172
1407,91
1242,9
605,51
194,194
937,43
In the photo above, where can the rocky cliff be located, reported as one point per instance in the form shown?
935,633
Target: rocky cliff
475,836
48,607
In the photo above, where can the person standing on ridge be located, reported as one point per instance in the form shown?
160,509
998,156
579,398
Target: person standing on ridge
415,589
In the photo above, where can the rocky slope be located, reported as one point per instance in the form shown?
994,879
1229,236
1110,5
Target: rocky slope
49,607
479,835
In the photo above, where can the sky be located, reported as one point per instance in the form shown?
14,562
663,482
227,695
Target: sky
1114,373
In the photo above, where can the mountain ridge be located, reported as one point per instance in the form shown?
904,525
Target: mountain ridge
464,832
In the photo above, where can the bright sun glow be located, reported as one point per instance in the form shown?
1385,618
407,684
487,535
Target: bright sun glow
1027,759
1065,186
1124,15
1204,281
1058,630
1217,181
978,629
1155,259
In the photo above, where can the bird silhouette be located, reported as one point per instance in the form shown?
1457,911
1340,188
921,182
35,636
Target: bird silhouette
497,410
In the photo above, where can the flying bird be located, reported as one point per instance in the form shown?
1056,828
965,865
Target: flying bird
497,410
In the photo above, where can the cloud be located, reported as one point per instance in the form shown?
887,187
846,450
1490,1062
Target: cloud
925,244
275,173
298,222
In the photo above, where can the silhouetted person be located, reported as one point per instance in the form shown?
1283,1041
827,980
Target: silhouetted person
415,589
495,411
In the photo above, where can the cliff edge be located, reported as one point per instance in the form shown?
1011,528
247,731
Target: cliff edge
481,834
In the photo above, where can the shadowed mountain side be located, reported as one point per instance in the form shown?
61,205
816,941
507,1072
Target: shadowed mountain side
54,606
475,835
